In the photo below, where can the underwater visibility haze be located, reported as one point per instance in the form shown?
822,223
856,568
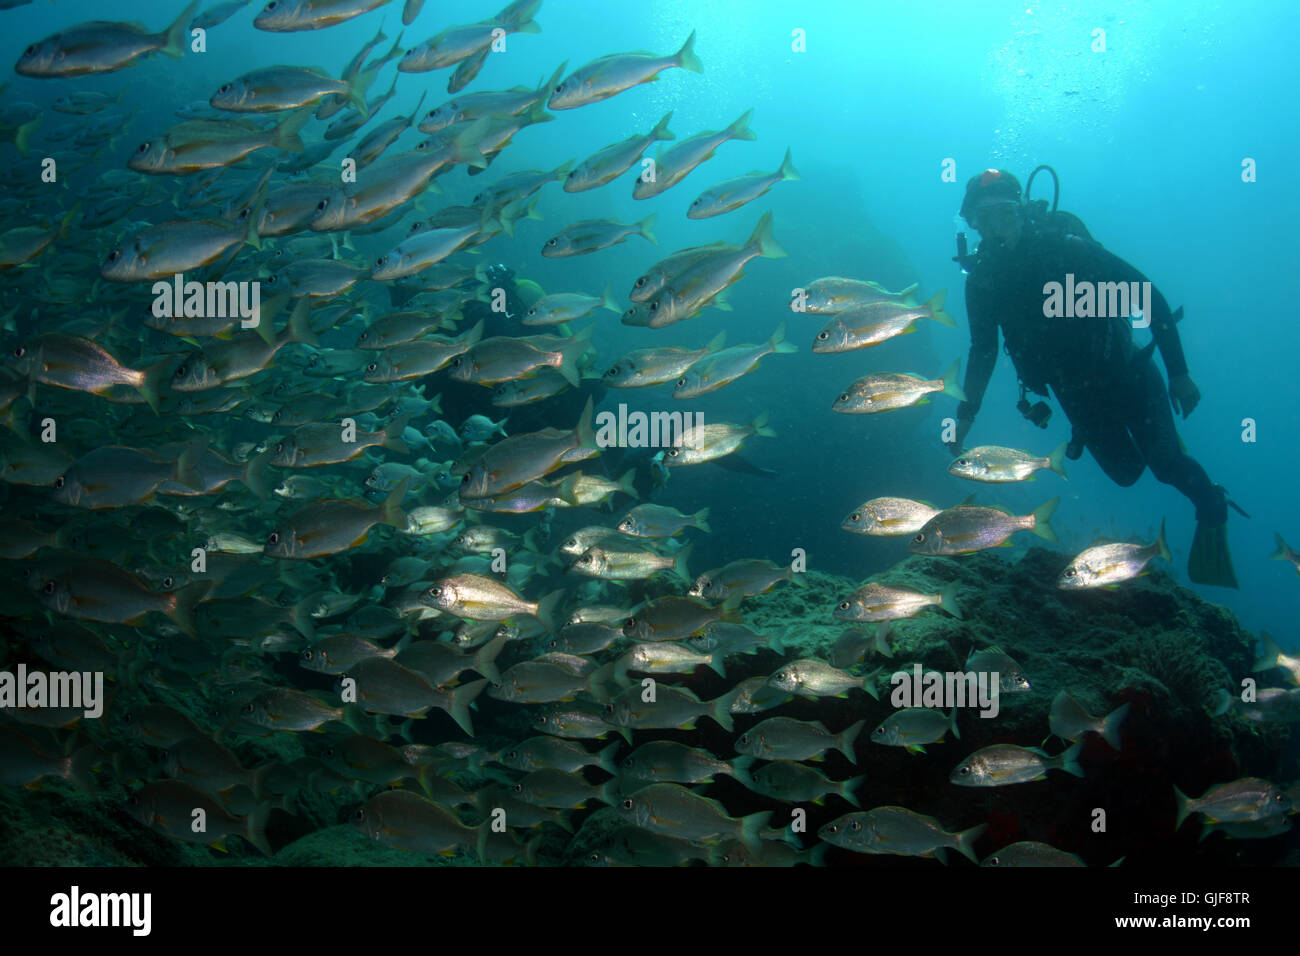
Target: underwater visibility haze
574,433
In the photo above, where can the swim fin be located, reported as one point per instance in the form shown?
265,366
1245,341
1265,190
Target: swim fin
1209,561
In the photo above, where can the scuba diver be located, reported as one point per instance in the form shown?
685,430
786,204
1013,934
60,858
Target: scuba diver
1111,391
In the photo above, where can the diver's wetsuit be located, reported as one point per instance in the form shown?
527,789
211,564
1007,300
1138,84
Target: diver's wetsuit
1112,392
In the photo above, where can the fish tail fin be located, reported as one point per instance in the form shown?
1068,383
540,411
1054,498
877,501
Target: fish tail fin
23,135
950,386
571,353
1184,806
720,712
461,698
79,768
356,92
730,608
1042,516
65,224
584,431
152,381
740,128
759,425
847,788
174,36
948,600
1111,724
661,130
716,663
778,344
1222,703
935,305
845,741
486,656
267,316
751,828
547,607
869,683
390,512
643,227
686,57
255,828
285,135
393,434
701,520
787,170
187,462
966,842
763,240
1268,658
182,612
1281,552
1162,544
554,81
1056,460
740,769
609,301
1069,760
627,485
679,563
605,759
299,329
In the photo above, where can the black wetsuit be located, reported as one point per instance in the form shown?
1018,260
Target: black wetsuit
1112,391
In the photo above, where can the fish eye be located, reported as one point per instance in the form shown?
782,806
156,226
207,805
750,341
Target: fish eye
168,582
963,770
920,538
994,861
855,516
50,587
681,383
855,825
306,655
1070,572
19,352
320,206
114,255
182,371
225,88
360,815
627,804
844,396
518,788
878,730
558,89
653,307
59,482
963,461
144,148
552,242
272,5
274,538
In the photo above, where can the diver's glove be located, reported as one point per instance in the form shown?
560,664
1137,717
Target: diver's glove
1075,448
1184,395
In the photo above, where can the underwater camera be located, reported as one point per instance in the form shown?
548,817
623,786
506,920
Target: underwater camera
1039,413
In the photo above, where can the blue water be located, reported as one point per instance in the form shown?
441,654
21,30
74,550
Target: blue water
1148,138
